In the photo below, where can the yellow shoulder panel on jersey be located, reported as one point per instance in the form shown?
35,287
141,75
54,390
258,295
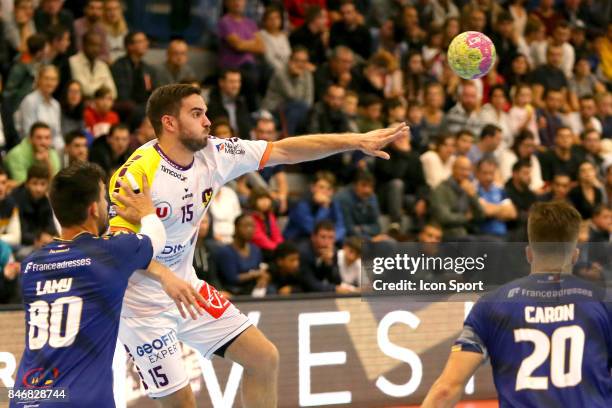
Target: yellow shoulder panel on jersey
143,161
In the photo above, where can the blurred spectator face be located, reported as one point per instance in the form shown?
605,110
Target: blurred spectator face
469,98
51,7
94,11
74,94
410,16
334,98
526,148
523,96
146,131
578,36
62,44
289,265
554,56
415,64
230,85
498,99
387,30
588,109
603,220
319,24
77,150
604,105
415,114
350,255
119,141
554,101
41,139
364,189
92,46
462,169
505,28
104,104
322,192
298,63
430,235
3,186
560,186
245,229
373,112
561,34
486,174
47,81
235,6
583,68
24,10
323,240
478,20
491,144
587,173
447,149
37,187
273,21
522,177
263,204
464,144
397,114
349,14
223,132
177,53
564,139
342,62
351,103
519,65
592,142
452,28
112,11
434,97
204,226
139,45
265,130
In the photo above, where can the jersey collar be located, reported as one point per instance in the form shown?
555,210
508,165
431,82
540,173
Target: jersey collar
170,161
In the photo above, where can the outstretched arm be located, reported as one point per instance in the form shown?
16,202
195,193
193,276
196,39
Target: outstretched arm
313,147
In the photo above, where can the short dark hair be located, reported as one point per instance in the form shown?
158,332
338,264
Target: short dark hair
600,208
497,88
489,130
118,126
38,125
36,43
89,34
129,37
587,132
102,91
523,135
74,134
38,171
166,100
368,100
325,176
225,72
325,225
80,180
354,243
285,249
486,160
504,17
364,176
3,171
442,138
239,218
464,132
56,32
312,13
256,193
520,164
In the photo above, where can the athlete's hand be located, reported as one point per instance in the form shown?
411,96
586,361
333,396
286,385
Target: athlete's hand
183,294
136,204
373,142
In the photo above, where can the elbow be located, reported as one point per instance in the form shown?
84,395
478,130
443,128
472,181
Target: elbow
442,395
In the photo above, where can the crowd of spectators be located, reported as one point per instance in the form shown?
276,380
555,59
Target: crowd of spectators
75,81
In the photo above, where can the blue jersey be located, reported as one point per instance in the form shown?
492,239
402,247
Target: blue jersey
72,294
549,339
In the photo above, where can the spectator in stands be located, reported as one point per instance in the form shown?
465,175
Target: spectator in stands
465,114
143,132
204,259
360,209
522,114
20,25
224,209
549,118
50,13
318,265
560,38
486,147
519,73
559,188
583,83
112,151
89,69
337,71
517,189
505,41
350,31
415,77
313,34
10,226
10,292
116,29
433,115
135,79
524,148
604,113
222,129
240,261
547,14
92,22
464,141
549,76
608,184
410,31
99,115
276,42
371,78
285,277
561,158
36,149
349,262
586,118
34,208
59,47
320,205
76,149
225,101
587,194
590,149
601,224
73,107
291,91
438,163
267,235
494,113
454,203
176,68
497,208
370,113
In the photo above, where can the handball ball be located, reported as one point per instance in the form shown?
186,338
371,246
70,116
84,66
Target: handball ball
471,55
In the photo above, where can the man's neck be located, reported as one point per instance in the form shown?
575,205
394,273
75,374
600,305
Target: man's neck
176,152
518,186
69,233
135,59
563,153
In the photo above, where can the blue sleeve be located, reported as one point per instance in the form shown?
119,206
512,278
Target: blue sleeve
301,222
474,337
227,262
338,221
134,251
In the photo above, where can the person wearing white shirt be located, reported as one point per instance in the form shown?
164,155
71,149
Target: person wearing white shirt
561,36
89,69
585,118
438,163
224,210
349,262
522,114
493,114
524,147
276,42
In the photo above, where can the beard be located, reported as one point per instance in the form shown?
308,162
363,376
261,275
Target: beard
191,142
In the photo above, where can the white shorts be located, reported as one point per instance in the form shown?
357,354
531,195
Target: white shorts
152,342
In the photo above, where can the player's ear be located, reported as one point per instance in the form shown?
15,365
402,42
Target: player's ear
168,123
575,256
93,210
529,254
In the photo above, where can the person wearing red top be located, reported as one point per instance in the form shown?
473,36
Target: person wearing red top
296,9
99,117
267,235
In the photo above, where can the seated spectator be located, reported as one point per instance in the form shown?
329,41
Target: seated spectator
73,107
267,235
601,224
486,147
135,79
549,76
464,141
497,208
224,209
35,212
583,83
320,205
590,149
143,132
465,114
176,68
40,106
349,262
89,69
523,148
549,118
395,111
604,113
318,265
493,113
559,188
112,151
586,118
522,114
415,77
561,158
370,113
560,38
51,13
116,29
438,163
221,129
338,71
276,42
454,203
587,194
505,41
548,15
350,108
35,149
517,189
20,25
350,31
92,22
433,115
59,47
313,34
291,91
99,116
360,208
401,182
240,261
372,76
204,259
76,149
10,226
225,101
285,277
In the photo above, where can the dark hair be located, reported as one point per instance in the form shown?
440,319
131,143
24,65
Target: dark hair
118,126
129,38
56,32
239,218
520,164
285,249
299,48
273,8
523,135
102,91
489,131
75,112
257,193
72,135
36,43
166,100
325,176
368,100
364,176
225,72
442,138
497,88
73,190
556,221
599,209
464,132
504,17
486,160
325,225
89,34
392,103
560,128
38,171
220,121
312,13
354,243
38,125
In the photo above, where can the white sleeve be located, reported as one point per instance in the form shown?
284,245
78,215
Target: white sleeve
152,227
235,157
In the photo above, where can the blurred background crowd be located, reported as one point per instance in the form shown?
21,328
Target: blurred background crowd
76,75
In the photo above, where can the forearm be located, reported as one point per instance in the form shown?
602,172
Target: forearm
442,396
293,150
157,271
152,227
